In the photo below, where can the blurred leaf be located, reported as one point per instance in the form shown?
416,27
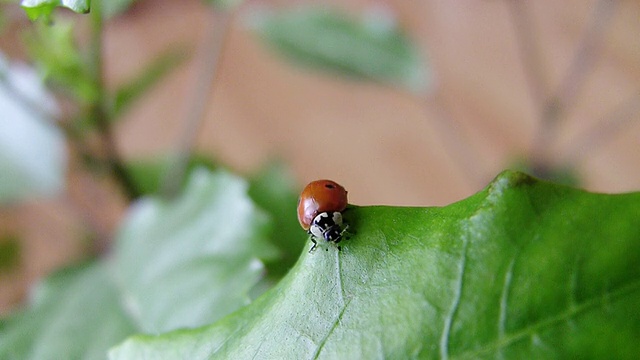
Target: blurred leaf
111,8
43,8
126,95
75,314
374,49
57,56
522,270
149,173
191,261
225,4
32,149
9,253
274,191
178,263
4,20
146,174
149,77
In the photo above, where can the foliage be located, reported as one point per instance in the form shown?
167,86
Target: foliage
175,260
32,150
374,48
274,191
57,56
149,173
522,269
148,77
36,9
180,263
75,73
74,314
9,253
225,4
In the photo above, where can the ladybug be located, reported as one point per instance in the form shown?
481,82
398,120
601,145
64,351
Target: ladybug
320,211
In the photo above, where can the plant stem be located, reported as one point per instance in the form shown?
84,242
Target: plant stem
212,49
570,87
610,125
98,109
530,53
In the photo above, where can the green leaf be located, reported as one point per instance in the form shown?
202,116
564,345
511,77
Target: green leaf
44,8
36,9
191,261
9,253
75,314
149,173
149,77
111,8
32,149
58,58
225,4
374,49
274,191
176,263
523,269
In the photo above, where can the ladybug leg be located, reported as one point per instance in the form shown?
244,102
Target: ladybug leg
315,244
342,233
345,233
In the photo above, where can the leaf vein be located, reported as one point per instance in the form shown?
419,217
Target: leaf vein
344,307
333,327
504,298
553,320
444,339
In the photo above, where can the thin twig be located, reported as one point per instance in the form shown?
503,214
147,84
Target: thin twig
575,78
586,54
212,49
608,127
98,110
530,53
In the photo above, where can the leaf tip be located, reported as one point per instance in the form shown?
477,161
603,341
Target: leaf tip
510,179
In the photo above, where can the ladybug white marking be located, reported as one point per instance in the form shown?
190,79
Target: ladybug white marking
327,226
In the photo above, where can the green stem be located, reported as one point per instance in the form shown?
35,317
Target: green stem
98,109
214,41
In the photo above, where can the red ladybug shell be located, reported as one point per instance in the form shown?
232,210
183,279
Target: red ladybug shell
320,196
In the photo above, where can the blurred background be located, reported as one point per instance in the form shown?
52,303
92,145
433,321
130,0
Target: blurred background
550,87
